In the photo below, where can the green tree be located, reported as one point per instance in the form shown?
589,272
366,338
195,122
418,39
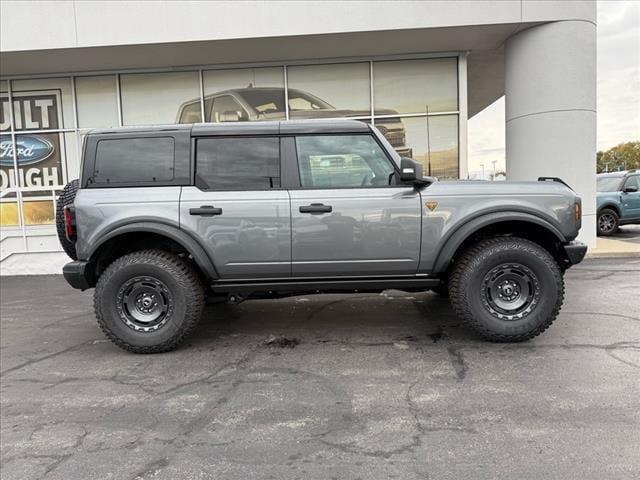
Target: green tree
625,156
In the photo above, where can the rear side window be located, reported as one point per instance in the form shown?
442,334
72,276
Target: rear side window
131,160
242,163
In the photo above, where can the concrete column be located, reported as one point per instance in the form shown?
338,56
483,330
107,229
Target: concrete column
550,88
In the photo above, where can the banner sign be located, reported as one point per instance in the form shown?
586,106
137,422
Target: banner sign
39,156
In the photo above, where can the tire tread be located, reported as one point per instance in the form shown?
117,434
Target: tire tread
184,274
464,265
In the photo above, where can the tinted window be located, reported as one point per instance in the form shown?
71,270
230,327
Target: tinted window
238,163
128,160
339,161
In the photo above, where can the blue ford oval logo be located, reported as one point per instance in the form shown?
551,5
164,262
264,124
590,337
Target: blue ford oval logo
29,149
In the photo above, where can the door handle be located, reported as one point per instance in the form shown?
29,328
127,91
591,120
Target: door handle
205,211
316,208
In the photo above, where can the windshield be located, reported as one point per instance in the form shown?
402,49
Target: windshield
608,184
272,100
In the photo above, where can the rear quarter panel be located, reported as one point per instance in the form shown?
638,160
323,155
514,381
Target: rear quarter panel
100,210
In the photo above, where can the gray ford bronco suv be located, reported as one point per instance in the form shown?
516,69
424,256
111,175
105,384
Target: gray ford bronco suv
164,217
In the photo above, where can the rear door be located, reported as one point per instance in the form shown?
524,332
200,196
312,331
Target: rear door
350,216
238,208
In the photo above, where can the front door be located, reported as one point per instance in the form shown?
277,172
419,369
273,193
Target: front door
238,208
350,217
631,200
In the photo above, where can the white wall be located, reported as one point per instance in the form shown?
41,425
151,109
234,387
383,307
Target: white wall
31,25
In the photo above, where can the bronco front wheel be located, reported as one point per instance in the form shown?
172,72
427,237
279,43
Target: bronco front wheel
149,301
507,289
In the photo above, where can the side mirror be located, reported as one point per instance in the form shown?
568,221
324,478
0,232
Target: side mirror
630,189
410,170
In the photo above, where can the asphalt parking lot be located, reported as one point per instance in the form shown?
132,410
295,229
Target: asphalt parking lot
379,386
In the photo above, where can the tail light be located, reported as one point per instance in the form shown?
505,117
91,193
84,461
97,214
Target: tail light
578,212
70,223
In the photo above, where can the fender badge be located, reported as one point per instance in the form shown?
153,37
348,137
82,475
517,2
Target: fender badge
431,205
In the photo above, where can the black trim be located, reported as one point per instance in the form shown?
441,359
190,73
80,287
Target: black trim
329,285
452,242
554,179
78,274
575,252
197,251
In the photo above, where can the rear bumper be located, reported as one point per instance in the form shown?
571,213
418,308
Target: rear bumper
575,252
78,274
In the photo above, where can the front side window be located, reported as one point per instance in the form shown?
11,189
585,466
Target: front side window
127,160
342,161
632,181
238,163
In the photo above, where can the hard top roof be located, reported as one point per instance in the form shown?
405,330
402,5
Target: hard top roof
250,128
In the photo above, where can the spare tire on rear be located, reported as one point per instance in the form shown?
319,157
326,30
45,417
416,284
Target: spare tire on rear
67,196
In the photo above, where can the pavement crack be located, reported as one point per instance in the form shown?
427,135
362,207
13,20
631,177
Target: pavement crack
45,357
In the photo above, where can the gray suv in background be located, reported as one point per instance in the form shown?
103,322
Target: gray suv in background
163,217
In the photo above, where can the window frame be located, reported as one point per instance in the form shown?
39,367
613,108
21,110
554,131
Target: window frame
194,153
293,165
181,163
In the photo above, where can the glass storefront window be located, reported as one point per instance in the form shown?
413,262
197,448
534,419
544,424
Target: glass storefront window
438,153
9,213
247,94
38,208
156,98
5,117
329,91
409,86
42,104
97,101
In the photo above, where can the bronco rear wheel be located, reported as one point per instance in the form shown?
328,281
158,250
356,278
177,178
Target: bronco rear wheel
149,301
507,289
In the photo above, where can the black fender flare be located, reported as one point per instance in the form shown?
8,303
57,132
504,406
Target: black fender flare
455,238
172,232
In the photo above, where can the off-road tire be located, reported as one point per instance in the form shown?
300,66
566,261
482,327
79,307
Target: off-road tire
66,197
611,225
476,263
184,287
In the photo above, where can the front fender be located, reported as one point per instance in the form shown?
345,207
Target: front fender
455,238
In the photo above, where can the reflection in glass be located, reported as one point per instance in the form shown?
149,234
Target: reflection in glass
409,86
246,94
97,101
5,117
42,104
439,151
339,161
157,98
339,90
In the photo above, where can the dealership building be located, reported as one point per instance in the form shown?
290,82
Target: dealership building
417,70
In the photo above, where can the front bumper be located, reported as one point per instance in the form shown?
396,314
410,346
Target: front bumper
78,274
574,252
